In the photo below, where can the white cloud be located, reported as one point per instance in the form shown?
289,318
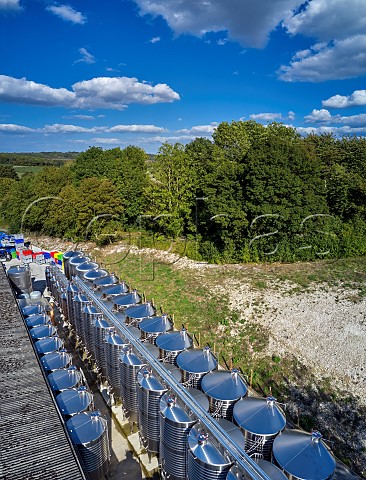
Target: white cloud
200,129
7,5
337,60
62,128
86,57
356,99
338,131
67,13
246,21
136,128
154,39
322,115
21,90
103,92
11,128
266,117
79,117
106,141
328,19
291,115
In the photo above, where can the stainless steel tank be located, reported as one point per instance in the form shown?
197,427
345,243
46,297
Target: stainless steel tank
302,455
74,262
272,472
223,389
89,434
100,327
37,319
233,431
42,331
261,420
130,364
172,343
136,313
48,345
173,371
199,397
63,302
20,279
152,327
114,290
114,346
194,364
56,360
149,392
71,291
205,460
92,275
67,256
175,424
47,275
74,400
80,302
85,267
33,309
89,314
105,281
121,302
64,378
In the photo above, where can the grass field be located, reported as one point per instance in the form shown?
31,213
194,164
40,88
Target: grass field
23,169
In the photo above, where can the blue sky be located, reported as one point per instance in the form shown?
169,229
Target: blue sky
144,72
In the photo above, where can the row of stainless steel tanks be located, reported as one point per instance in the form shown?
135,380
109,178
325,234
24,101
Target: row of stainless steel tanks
87,428
167,428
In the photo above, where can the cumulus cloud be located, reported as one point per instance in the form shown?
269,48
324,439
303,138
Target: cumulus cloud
356,99
337,131
337,60
9,5
106,141
200,129
291,115
103,92
244,21
62,128
266,117
67,13
328,19
154,39
322,115
86,57
136,128
11,128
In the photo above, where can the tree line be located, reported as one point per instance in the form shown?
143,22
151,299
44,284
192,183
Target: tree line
253,193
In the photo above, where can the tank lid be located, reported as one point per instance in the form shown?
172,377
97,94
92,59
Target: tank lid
80,298
64,378
71,253
101,323
74,400
174,341
76,260
49,344
86,266
127,299
224,385
16,269
90,310
32,309
127,357
271,470
72,288
86,427
42,331
197,360
113,338
91,275
233,431
140,311
303,455
172,411
201,447
148,381
199,397
37,319
55,360
260,416
106,280
115,289
157,324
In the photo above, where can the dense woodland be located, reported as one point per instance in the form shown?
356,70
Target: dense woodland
253,193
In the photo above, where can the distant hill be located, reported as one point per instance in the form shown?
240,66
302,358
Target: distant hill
37,159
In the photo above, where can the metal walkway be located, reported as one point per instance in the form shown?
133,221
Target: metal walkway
33,441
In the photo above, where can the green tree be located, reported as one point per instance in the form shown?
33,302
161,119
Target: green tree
7,171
